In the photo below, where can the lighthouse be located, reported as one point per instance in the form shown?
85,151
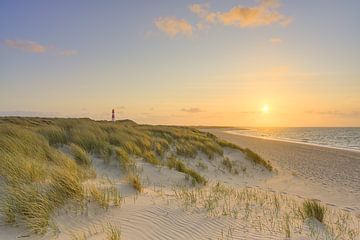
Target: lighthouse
113,115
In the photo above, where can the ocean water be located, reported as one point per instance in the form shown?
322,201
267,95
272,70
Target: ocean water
343,138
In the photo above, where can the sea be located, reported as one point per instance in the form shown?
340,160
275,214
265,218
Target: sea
347,138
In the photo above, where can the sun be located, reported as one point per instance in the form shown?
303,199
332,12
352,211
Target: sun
265,108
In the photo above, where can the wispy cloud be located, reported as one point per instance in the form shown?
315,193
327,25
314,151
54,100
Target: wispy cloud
336,113
203,11
37,48
173,26
275,41
28,46
263,14
191,110
28,114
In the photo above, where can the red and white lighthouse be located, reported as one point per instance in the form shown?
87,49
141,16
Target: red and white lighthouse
113,115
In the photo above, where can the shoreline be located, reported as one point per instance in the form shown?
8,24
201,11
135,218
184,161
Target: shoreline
329,174
289,141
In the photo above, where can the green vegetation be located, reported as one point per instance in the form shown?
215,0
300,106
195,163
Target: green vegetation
36,177
270,212
313,209
181,167
81,157
257,159
228,164
105,196
134,180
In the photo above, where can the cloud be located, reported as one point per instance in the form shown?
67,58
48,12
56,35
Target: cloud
191,110
275,40
202,10
263,14
28,46
173,26
336,113
28,114
34,47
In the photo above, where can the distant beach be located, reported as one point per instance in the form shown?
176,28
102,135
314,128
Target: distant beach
334,173
332,137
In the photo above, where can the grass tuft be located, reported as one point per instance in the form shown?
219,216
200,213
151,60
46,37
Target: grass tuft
257,159
313,209
31,165
181,167
134,180
112,232
80,155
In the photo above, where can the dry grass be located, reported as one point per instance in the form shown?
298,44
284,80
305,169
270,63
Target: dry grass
313,209
257,159
31,165
112,232
177,164
134,180
80,155
271,213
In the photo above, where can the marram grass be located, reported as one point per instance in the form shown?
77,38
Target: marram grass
36,177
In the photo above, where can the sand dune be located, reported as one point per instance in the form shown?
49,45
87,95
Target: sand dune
251,203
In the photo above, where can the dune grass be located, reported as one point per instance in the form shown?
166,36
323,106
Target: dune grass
36,177
179,166
228,164
313,210
257,159
135,181
112,232
80,155
272,213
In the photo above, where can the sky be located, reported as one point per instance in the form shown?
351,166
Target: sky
232,62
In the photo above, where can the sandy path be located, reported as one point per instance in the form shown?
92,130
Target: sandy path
333,173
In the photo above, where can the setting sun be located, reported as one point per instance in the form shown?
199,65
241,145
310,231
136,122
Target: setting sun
241,111
265,108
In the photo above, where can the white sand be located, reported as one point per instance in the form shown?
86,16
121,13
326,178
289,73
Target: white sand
302,172
328,174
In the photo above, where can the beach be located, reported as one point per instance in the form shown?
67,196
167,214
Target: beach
329,174
181,183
